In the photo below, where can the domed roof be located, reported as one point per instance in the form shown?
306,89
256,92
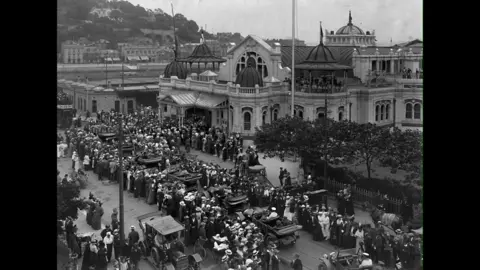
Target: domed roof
320,54
249,76
201,50
175,69
202,53
350,28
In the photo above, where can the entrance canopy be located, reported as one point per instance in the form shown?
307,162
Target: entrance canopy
198,100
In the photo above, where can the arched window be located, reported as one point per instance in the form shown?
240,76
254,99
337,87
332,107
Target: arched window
264,117
275,115
387,112
294,112
408,111
300,114
320,115
382,111
417,111
261,65
377,112
247,125
340,116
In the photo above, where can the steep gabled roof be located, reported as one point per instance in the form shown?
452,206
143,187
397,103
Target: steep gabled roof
259,40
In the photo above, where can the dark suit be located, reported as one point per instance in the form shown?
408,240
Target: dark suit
297,265
275,263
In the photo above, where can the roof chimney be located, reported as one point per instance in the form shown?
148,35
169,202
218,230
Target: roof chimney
276,47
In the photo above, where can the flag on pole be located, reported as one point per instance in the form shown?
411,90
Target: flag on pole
321,33
201,33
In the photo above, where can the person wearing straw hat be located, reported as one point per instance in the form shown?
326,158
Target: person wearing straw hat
366,263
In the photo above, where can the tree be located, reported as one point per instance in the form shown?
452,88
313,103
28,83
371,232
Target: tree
69,201
368,142
404,150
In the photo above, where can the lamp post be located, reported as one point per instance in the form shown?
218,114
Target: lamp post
120,163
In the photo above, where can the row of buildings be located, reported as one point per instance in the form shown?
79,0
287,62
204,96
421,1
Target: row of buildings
251,88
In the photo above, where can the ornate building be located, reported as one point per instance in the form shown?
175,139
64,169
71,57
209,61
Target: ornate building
254,93
350,35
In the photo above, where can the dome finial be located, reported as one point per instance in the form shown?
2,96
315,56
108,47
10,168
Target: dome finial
350,17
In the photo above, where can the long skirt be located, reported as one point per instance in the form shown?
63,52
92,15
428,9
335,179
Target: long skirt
288,214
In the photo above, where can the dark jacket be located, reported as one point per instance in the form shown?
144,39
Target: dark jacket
297,264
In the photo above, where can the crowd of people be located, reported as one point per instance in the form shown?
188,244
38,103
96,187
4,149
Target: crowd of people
237,243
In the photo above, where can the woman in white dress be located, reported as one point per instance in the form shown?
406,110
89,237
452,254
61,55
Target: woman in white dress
289,215
59,150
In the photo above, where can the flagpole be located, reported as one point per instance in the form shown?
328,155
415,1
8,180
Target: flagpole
293,58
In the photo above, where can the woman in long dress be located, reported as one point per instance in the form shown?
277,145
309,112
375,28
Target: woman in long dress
287,213
97,217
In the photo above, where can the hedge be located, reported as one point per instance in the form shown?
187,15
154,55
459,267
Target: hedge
392,188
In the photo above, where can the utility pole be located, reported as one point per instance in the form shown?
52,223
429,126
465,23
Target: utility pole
106,72
120,179
293,57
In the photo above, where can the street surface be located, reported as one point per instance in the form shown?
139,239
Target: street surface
308,249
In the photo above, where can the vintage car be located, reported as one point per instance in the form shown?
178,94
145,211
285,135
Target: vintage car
340,260
235,204
168,252
318,197
279,231
189,179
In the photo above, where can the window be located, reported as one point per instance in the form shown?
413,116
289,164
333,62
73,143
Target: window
417,111
408,111
340,113
275,115
387,112
264,117
377,112
117,105
247,125
320,115
94,106
130,106
165,108
300,114
85,104
261,66
221,114
382,111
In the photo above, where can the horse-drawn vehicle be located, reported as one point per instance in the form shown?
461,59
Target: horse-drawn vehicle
347,259
279,231
161,245
189,179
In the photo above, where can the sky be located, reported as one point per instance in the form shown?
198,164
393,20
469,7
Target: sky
391,19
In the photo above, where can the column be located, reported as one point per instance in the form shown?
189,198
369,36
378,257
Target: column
258,116
392,66
377,62
236,117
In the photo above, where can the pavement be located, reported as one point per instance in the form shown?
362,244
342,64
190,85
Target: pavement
308,249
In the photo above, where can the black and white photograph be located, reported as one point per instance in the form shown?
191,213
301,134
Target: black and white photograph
239,134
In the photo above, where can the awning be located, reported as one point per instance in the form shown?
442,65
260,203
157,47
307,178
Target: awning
133,58
208,73
144,58
199,100
108,59
116,59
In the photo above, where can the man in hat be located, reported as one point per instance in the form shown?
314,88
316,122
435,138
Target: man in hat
280,177
296,263
116,244
274,258
103,233
366,261
133,236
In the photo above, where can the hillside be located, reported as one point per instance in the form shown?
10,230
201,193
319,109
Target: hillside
117,21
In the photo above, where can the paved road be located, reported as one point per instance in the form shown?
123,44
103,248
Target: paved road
308,249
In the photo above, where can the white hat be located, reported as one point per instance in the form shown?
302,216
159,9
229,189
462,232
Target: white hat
366,254
228,252
274,209
248,262
132,227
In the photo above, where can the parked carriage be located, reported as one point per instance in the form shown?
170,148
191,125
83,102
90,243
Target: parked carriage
347,259
279,231
189,179
318,197
169,255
